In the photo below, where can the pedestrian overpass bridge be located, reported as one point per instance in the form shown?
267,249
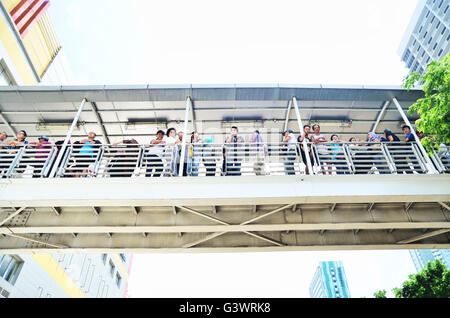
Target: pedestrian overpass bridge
353,196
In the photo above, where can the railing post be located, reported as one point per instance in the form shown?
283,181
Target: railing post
305,145
66,141
422,149
183,143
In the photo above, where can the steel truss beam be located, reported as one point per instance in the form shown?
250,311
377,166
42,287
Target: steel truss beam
316,227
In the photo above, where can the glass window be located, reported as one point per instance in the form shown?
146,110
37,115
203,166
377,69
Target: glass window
9,267
104,257
442,1
123,257
443,30
111,268
446,8
438,24
406,57
431,38
434,46
5,80
118,279
440,52
425,35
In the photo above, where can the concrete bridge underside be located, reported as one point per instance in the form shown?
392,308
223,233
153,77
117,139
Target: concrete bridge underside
224,214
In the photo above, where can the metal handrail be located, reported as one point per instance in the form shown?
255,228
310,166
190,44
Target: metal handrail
229,159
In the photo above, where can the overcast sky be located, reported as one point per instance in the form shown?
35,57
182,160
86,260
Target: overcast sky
288,42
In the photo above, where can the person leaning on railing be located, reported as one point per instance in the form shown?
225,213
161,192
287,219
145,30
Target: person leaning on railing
306,135
376,154
3,164
289,147
156,151
194,154
43,147
233,162
409,138
258,150
88,150
322,149
13,145
124,162
337,152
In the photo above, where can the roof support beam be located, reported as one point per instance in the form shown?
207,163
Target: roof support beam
288,112
67,139
424,236
380,115
430,165
100,122
183,142
224,228
12,215
6,122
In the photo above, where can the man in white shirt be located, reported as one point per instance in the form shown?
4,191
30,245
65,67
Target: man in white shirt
155,153
233,162
290,143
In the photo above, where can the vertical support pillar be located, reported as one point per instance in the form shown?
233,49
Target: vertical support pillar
422,149
380,115
183,143
288,111
66,141
300,125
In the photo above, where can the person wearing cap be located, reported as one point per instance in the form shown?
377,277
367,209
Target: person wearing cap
154,161
41,155
289,145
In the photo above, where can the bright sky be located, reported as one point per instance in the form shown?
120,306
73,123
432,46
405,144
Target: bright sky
346,42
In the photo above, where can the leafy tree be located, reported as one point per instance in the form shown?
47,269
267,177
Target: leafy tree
380,294
434,108
431,282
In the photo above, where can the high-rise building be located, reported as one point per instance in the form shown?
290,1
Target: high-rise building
329,281
30,54
427,36
422,257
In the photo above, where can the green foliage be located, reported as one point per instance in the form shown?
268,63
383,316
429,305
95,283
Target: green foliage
431,282
380,294
434,108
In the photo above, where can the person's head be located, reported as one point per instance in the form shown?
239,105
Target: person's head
171,132
21,135
387,132
420,134
180,135
406,129
307,129
234,130
353,139
3,135
43,138
92,135
334,138
159,134
194,136
287,132
316,128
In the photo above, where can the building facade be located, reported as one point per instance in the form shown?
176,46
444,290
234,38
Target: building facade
427,39
329,281
30,55
427,36
420,258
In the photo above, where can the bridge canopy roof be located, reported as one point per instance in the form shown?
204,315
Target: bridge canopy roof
137,111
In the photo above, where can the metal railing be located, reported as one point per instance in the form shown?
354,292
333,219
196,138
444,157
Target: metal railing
206,159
